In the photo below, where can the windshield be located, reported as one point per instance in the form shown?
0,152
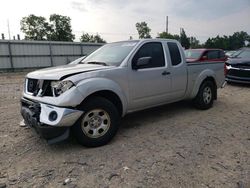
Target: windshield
111,54
230,53
243,54
236,53
193,54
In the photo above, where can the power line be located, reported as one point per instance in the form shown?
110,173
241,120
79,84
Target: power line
104,33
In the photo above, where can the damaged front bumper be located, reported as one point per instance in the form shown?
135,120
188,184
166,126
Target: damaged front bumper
49,121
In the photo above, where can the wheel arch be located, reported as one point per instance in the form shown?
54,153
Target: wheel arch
211,79
109,95
207,75
105,88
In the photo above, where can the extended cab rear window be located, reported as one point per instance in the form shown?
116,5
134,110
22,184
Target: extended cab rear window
174,53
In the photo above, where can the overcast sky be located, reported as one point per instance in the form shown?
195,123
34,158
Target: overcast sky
115,19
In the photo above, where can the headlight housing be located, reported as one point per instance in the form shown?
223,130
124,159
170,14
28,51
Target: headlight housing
59,87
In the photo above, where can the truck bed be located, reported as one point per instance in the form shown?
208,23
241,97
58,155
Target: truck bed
198,71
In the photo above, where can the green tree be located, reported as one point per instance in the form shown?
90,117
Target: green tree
92,38
184,39
233,42
208,43
60,28
87,38
165,35
221,42
35,27
218,42
194,43
238,39
99,39
143,30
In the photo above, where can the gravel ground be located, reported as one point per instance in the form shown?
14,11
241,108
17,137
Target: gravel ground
170,146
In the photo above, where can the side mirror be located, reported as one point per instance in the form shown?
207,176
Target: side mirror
141,62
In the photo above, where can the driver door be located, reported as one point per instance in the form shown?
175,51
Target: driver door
149,84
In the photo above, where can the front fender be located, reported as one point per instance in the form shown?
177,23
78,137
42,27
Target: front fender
200,78
89,86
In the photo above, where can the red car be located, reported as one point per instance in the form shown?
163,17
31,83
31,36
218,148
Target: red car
205,55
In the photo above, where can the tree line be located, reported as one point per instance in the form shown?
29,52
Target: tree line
231,42
58,28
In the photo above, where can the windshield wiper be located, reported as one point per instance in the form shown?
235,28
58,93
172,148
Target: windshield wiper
97,63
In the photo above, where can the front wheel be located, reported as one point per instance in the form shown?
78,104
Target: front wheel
99,123
205,97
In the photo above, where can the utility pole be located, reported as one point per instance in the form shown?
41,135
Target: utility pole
180,31
8,25
167,24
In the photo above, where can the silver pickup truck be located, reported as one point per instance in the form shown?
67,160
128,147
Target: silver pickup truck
89,98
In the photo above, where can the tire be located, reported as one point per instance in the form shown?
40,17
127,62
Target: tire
205,97
99,123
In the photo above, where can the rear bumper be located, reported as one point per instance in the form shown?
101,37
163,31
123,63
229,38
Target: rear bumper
53,128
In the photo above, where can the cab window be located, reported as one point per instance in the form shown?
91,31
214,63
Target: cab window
153,50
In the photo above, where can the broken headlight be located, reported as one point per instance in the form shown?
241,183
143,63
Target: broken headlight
59,87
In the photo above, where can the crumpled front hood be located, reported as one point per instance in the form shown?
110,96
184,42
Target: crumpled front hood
64,71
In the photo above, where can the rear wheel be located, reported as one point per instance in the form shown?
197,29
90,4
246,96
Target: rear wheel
99,123
205,97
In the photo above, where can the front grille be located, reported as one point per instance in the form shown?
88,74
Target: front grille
47,90
242,66
239,73
41,87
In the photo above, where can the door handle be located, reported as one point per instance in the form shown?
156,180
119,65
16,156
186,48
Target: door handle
165,73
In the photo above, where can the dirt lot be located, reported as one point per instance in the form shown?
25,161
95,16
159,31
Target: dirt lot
170,146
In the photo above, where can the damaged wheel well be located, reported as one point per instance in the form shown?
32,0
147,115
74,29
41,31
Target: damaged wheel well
109,95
